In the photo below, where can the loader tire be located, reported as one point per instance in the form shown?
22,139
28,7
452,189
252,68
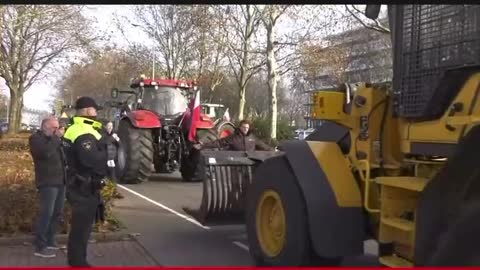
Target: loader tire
275,181
458,246
192,168
136,150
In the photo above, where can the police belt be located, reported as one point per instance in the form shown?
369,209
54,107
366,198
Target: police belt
94,184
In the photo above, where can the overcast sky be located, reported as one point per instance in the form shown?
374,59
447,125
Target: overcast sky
40,95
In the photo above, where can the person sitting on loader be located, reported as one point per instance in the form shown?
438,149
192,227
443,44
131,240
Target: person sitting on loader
241,140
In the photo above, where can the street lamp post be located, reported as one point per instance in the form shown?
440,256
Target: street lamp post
153,65
152,53
71,95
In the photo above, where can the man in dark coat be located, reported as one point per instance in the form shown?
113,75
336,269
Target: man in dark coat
241,140
49,161
113,142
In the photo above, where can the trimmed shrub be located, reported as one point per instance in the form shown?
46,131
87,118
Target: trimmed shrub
261,128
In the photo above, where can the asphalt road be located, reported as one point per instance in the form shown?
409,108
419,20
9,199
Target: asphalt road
154,211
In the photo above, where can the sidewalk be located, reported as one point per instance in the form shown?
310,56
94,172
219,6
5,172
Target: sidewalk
115,252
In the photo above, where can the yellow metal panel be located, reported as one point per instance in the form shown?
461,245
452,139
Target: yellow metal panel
328,105
399,223
395,261
396,202
405,182
437,131
338,173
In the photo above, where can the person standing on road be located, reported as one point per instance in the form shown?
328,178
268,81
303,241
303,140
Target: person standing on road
241,140
50,174
113,142
86,153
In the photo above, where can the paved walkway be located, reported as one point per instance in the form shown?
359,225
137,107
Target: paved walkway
108,253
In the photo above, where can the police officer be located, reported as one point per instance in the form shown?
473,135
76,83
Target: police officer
87,167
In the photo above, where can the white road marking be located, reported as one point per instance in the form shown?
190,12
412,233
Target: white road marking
165,208
241,245
237,243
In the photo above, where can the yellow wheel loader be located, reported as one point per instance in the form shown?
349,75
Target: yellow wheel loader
393,162
396,163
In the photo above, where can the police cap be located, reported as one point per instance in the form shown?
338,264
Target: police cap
87,102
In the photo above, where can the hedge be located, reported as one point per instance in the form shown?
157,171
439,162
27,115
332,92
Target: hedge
261,128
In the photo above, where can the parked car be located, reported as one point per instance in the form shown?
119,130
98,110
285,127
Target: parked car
301,134
3,127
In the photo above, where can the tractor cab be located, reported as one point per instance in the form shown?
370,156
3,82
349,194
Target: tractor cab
168,99
215,111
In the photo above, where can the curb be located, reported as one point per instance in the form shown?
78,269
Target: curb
62,238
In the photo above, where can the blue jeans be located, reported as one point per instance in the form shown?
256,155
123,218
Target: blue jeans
52,201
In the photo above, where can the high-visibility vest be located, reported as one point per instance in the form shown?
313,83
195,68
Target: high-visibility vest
82,126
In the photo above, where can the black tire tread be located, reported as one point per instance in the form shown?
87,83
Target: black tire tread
276,174
139,152
191,169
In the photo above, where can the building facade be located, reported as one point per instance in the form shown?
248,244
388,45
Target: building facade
368,59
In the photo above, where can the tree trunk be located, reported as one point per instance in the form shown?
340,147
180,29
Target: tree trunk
243,81
241,104
272,79
15,113
245,64
19,113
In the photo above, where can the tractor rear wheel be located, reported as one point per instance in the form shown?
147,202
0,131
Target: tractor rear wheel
135,154
191,167
276,218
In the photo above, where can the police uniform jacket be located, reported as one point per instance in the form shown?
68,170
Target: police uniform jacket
86,153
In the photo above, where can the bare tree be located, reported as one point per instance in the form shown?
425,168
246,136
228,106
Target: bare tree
324,66
172,29
33,37
139,57
111,68
210,47
243,22
296,98
258,104
270,16
190,41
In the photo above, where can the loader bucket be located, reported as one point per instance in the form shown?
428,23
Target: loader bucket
226,179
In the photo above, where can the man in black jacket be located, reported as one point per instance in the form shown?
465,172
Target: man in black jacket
241,140
113,141
49,161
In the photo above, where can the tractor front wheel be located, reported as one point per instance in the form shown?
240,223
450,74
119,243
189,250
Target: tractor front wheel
192,168
135,154
276,219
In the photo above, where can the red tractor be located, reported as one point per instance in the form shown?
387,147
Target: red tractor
153,128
